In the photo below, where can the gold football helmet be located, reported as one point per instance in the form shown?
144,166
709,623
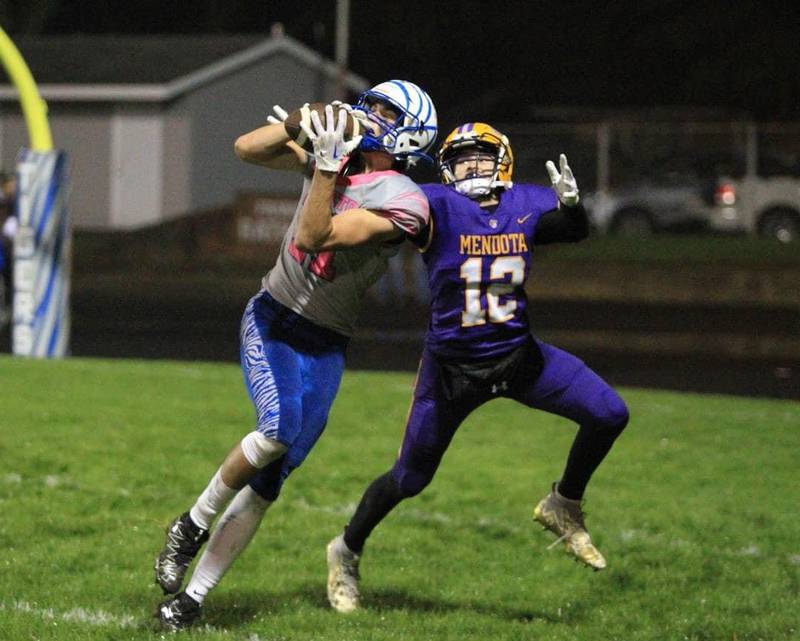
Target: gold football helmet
476,137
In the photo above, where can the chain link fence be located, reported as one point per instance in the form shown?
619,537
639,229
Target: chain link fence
609,155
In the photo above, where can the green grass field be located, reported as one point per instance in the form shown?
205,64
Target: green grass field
679,249
695,510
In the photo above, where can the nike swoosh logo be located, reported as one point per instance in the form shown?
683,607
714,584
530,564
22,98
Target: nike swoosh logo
524,218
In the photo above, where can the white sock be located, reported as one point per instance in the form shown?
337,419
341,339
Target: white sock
211,502
340,544
230,536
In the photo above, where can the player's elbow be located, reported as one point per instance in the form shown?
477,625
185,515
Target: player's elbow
303,245
251,147
243,147
309,243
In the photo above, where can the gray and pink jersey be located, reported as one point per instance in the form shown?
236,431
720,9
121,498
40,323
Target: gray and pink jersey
328,288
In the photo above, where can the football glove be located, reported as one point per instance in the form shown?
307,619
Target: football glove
358,114
280,112
338,104
305,115
564,183
330,147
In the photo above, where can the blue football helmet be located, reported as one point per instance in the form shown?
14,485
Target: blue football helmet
413,133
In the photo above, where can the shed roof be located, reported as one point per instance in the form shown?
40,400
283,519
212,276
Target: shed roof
150,68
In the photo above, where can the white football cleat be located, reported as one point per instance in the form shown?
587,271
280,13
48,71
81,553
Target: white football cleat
564,518
343,576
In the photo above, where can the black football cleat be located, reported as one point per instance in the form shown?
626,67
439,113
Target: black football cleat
184,540
178,612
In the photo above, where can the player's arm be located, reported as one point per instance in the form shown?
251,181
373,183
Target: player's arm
318,230
562,225
270,146
569,222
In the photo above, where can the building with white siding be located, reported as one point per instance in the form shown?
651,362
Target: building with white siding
149,122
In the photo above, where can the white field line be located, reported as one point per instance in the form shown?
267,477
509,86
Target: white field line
100,618
75,615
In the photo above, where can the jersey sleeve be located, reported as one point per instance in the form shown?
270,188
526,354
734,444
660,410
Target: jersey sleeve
562,225
545,198
408,210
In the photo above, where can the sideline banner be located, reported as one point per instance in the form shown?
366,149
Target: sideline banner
42,256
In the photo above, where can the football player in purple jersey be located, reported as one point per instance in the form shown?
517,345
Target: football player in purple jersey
356,208
478,251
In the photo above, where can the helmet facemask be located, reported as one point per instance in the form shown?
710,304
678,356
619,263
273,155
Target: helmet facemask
472,170
385,138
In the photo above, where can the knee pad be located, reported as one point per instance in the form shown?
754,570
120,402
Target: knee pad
260,450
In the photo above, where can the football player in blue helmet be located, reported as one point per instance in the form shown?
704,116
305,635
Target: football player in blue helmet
295,330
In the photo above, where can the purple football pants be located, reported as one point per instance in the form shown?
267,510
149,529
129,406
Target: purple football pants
566,387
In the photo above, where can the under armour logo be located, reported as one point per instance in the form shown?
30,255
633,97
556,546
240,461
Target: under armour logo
502,386
522,219
493,223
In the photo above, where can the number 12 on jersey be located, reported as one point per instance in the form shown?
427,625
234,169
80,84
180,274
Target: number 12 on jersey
497,312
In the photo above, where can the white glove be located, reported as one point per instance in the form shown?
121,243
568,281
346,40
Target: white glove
280,112
338,104
305,117
358,114
330,147
564,183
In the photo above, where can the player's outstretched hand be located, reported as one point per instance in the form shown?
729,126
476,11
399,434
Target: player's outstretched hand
330,147
564,183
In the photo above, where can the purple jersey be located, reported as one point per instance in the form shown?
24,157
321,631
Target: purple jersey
478,260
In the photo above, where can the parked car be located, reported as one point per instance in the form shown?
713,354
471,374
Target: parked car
768,207
673,202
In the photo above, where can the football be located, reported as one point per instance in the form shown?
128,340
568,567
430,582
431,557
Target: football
295,132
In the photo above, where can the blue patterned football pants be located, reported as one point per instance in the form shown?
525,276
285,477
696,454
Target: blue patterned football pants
292,369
